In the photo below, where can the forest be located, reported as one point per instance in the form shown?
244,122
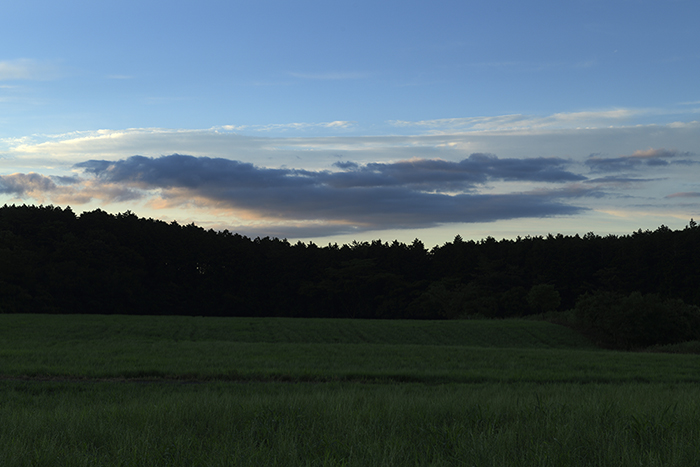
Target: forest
54,261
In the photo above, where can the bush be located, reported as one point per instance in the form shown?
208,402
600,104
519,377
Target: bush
689,347
544,298
637,321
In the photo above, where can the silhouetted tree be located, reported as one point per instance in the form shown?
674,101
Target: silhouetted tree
544,298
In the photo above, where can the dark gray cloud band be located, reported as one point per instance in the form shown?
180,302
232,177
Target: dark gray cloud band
405,194
640,159
430,174
436,174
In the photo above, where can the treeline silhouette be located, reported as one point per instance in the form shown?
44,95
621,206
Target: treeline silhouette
54,261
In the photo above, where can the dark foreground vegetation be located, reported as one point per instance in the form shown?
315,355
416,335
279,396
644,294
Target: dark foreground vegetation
117,390
630,291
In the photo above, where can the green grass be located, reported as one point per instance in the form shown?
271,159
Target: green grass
341,362
118,347
335,392
36,329
348,424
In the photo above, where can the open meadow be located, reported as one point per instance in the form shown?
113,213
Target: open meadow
183,391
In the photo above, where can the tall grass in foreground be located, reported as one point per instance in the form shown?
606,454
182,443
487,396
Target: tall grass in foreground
359,393
267,424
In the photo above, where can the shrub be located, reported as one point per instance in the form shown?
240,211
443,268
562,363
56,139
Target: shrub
636,320
544,298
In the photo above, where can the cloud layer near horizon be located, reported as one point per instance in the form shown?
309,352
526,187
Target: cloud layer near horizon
405,194
315,186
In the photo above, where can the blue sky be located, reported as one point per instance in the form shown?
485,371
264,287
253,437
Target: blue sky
340,121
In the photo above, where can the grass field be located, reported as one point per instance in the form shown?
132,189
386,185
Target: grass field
118,390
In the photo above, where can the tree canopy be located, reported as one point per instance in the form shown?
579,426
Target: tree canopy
54,261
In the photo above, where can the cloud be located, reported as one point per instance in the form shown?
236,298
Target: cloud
428,174
617,180
519,122
686,194
573,190
337,124
26,69
331,76
347,165
404,194
63,189
441,175
650,158
309,145
310,180
31,184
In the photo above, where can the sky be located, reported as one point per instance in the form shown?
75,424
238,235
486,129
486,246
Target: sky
332,121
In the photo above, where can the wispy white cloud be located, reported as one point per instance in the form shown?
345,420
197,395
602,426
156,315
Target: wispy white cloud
158,100
586,63
319,145
518,122
525,66
685,194
512,64
27,69
337,124
331,76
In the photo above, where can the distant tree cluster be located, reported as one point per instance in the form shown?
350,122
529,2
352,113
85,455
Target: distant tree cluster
53,261
636,320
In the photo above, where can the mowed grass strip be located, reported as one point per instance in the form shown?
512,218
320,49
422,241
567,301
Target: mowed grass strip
346,362
125,347
106,328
